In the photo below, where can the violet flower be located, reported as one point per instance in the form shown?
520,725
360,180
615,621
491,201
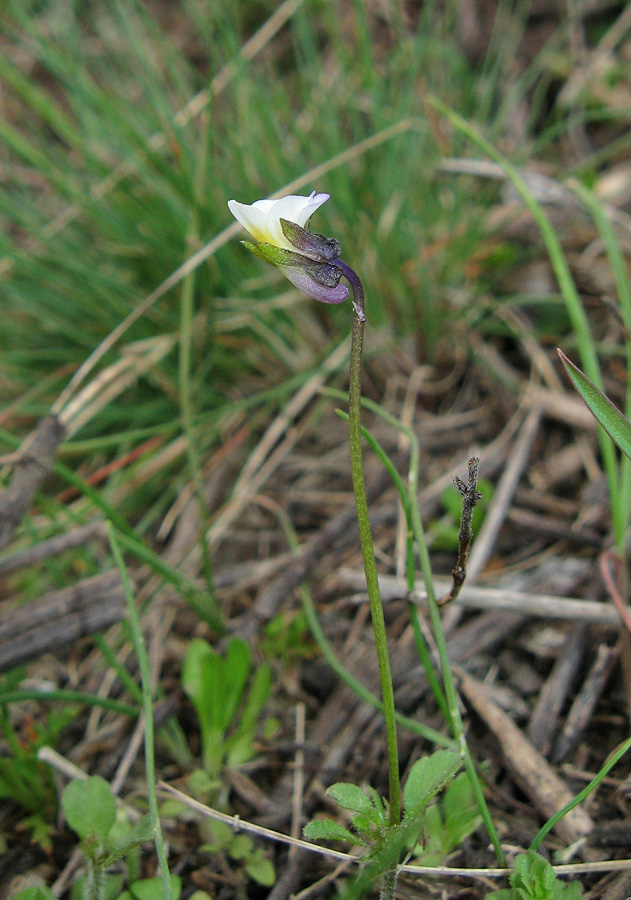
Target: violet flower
280,228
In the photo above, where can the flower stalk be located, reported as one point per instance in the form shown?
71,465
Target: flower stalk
365,538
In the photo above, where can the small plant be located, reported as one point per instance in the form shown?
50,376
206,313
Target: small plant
105,838
23,778
227,714
287,638
533,878
312,263
240,848
369,824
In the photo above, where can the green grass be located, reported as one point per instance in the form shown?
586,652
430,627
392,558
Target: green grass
125,134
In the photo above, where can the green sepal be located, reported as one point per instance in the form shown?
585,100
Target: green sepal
276,256
321,272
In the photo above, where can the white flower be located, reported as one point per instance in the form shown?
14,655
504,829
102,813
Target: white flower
262,218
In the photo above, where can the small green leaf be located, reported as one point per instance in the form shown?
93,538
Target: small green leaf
261,870
427,776
328,830
349,796
237,669
141,833
615,424
460,812
533,878
90,808
257,698
151,888
241,847
221,836
35,893
112,885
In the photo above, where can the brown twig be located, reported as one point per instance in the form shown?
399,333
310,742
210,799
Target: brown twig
59,618
470,497
77,537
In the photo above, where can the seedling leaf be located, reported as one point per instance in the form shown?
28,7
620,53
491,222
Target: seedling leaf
349,796
427,776
35,893
261,870
141,833
90,808
150,888
328,830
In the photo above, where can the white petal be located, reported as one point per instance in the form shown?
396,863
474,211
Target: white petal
262,218
252,218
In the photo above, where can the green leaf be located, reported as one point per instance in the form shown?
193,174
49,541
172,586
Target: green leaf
215,685
222,835
35,893
241,847
90,808
328,830
141,833
533,878
349,796
427,776
257,698
460,812
112,885
151,888
237,668
379,805
431,835
261,870
615,424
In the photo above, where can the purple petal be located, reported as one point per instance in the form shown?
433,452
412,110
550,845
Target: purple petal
305,283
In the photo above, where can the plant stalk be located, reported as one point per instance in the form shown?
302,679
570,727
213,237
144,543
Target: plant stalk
365,537
147,708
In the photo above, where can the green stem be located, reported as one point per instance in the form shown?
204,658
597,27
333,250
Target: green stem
365,537
147,708
410,568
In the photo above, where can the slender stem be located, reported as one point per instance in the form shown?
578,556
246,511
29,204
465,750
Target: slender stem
147,708
365,537
582,795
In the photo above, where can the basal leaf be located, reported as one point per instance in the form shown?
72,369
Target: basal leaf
90,807
328,830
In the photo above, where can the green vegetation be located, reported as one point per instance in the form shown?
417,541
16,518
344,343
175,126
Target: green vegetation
183,372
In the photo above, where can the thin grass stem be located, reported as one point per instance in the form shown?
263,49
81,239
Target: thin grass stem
147,708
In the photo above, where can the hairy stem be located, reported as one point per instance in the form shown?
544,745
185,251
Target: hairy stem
365,536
